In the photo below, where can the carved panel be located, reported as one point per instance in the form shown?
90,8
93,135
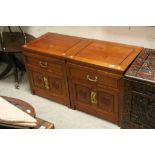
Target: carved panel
38,79
106,101
56,85
139,105
82,93
143,110
144,66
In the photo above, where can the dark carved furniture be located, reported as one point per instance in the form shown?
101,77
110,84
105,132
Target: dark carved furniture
81,73
138,110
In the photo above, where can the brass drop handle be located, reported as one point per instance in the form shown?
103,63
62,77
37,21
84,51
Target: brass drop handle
43,64
93,96
93,80
46,82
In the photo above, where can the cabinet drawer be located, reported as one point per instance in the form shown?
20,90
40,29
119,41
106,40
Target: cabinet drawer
45,63
108,79
83,73
94,76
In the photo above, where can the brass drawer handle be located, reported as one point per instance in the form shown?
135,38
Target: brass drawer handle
93,80
93,96
46,82
43,64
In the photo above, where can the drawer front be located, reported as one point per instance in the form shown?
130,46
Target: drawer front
83,73
94,76
108,79
48,64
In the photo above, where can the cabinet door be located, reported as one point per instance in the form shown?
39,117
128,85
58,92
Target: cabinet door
81,94
142,109
89,94
94,100
48,85
107,102
58,88
36,79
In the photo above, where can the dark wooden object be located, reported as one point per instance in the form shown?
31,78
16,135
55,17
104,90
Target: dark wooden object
11,43
42,124
26,107
138,109
91,69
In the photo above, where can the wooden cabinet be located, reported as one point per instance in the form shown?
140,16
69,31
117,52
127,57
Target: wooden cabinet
46,65
81,73
92,94
95,78
48,77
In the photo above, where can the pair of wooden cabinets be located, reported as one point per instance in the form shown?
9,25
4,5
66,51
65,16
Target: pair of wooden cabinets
80,73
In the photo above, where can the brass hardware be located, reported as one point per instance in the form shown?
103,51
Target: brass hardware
43,64
93,80
46,82
93,97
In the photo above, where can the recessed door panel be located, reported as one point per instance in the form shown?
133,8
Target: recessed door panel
106,101
56,86
38,79
82,93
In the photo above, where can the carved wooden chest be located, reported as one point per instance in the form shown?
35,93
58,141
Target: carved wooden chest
83,74
139,92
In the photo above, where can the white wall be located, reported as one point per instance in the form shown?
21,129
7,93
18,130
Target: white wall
142,36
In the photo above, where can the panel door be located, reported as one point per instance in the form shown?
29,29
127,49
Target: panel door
56,88
81,94
48,85
36,79
94,100
107,102
142,110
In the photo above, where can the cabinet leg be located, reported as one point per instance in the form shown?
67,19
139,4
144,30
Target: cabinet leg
32,92
16,78
73,107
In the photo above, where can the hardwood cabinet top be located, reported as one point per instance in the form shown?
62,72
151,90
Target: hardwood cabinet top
108,54
52,44
113,56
